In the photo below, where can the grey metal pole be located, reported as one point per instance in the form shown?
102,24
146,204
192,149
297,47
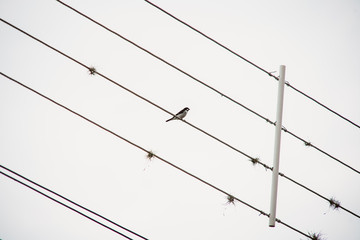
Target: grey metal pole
275,173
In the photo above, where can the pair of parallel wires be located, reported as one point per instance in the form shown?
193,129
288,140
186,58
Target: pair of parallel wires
16,179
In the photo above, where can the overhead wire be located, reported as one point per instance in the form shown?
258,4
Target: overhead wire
318,194
64,205
203,83
329,200
250,62
153,154
252,159
72,202
211,39
309,144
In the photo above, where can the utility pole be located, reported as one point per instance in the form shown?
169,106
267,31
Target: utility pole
275,172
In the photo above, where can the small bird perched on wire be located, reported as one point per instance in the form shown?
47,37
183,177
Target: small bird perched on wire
180,115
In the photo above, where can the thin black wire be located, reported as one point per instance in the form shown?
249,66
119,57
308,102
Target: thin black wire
196,79
63,204
317,194
211,39
309,144
309,189
252,159
154,155
323,105
250,62
72,202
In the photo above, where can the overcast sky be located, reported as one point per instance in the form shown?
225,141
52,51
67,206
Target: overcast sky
318,41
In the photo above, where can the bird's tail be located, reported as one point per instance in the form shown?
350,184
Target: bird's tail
169,119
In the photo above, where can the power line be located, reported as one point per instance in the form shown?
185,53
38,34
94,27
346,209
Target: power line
201,82
322,105
152,154
63,204
309,144
250,62
308,189
72,202
211,39
252,159
319,195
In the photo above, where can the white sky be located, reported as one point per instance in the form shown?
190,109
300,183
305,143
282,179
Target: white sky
318,41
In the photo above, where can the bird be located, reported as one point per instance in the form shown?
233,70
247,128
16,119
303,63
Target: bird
180,115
